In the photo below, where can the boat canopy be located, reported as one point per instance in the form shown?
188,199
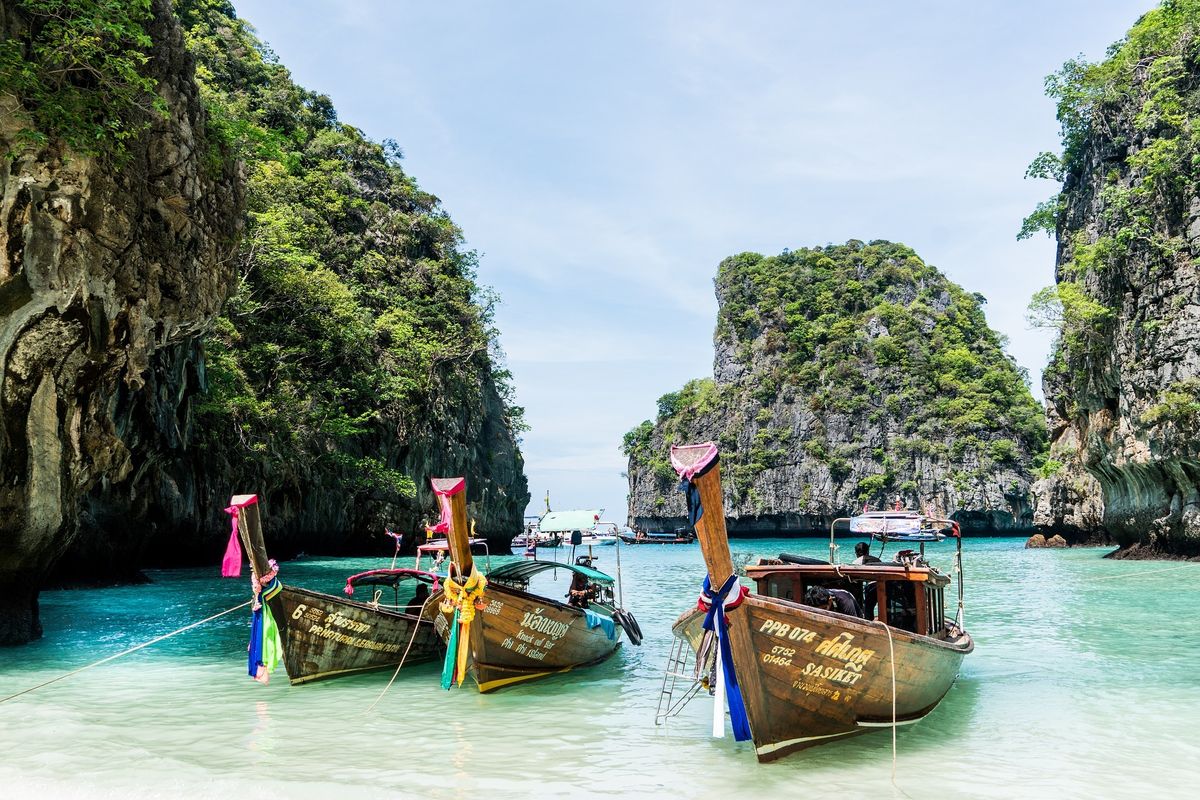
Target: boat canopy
522,571
562,521
899,526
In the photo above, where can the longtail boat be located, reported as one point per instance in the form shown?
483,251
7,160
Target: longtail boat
679,536
319,635
797,675
499,632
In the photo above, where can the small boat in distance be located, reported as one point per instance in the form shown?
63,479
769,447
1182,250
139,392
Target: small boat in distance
500,632
800,661
321,635
580,527
679,536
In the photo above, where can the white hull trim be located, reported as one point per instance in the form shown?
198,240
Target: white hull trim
771,748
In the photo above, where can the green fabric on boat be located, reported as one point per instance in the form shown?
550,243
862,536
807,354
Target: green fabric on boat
451,654
524,570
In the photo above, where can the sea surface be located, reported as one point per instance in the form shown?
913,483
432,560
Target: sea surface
1085,682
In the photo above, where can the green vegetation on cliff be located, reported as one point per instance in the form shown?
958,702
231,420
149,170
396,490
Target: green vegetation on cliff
79,70
1136,111
865,337
357,329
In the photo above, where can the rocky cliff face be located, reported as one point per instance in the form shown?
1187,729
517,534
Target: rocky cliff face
176,329
1124,386
845,376
107,279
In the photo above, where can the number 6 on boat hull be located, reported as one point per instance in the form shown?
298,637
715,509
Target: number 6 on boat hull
810,675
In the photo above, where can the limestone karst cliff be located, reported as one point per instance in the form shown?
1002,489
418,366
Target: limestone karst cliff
112,266
1123,386
218,288
847,375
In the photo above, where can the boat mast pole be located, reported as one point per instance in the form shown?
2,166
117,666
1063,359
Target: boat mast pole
710,528
714,545
250,532
460,544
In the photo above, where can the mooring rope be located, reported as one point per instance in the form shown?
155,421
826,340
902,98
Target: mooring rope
411,639
126,652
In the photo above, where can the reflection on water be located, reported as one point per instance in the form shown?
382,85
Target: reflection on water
1082,684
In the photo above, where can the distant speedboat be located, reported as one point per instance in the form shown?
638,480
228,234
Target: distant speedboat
678,536
799,660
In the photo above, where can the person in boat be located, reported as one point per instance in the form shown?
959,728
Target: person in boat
581,591
838,600
418,601
862,551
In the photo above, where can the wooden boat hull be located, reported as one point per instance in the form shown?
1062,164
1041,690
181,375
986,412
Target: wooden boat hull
519,637
328,636
821,676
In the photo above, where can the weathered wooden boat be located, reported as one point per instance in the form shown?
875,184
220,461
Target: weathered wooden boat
798,675
321,635
500,633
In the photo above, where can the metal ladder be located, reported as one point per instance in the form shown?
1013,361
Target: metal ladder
680,666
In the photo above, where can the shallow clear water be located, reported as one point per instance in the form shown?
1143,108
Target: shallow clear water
1085,682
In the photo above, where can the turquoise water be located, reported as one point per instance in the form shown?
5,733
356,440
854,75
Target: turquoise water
1084,683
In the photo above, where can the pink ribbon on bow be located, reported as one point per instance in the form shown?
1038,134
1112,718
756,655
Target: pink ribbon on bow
231,564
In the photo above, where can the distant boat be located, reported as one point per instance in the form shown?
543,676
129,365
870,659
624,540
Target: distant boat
500,633
679,536
807,675
580,527
322,635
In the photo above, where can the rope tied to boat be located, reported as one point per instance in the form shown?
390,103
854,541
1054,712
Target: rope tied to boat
715,604
463,599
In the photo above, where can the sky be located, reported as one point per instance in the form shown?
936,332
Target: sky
604,157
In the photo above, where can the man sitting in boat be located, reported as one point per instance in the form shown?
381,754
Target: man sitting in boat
838,600
863,552
418,601
581,591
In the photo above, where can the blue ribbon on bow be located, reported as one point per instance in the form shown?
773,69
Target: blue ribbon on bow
695,509
714,620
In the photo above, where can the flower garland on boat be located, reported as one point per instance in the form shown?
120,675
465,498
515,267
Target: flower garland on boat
464,599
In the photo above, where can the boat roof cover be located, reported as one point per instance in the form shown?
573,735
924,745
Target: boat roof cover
558,521
524,570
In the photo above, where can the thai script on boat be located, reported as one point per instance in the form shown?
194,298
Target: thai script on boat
551,627
841,648
353,641
773,627
332,620
824,691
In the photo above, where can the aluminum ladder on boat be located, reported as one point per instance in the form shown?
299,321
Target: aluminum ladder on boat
680,667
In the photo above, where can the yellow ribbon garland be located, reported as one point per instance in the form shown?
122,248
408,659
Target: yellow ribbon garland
465,598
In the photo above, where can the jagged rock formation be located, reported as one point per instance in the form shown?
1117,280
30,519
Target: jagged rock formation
1123,387
108,277
846,375
174,332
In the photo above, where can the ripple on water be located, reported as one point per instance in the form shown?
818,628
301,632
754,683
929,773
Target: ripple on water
1082,684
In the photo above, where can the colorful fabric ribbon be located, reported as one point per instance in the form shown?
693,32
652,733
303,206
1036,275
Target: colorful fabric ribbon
231,564
716,604
265,642
464,599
